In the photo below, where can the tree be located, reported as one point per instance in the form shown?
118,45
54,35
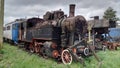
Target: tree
110,14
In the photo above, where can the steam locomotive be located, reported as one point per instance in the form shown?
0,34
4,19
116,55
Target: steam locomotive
56,35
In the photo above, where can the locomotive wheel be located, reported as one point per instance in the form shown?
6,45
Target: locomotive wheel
37,48
86,51
66,57
31,48
104,48
42,52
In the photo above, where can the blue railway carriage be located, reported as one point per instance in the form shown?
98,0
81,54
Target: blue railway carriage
11,31
114,34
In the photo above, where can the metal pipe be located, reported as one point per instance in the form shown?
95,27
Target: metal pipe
93,37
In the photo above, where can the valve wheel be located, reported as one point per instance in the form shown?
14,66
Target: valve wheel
66,57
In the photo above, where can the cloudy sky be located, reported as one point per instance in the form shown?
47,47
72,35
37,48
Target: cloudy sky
33,8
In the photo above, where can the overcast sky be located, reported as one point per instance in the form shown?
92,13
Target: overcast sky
32,8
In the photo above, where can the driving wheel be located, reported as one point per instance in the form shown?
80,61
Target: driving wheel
66,57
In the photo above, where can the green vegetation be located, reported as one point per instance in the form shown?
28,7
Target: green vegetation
110,14
14,57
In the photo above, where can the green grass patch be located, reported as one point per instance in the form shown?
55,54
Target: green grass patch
14,57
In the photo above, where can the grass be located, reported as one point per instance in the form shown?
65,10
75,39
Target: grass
14,57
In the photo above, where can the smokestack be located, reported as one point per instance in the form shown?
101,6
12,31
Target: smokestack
72,10
96,17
